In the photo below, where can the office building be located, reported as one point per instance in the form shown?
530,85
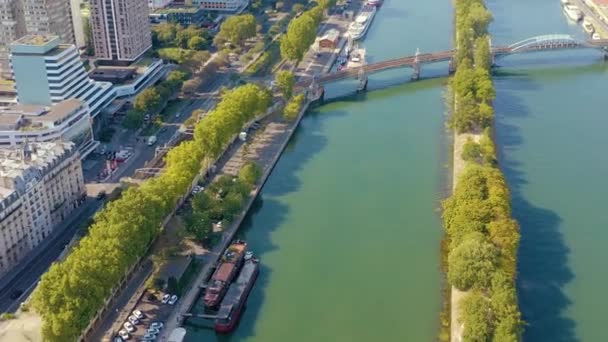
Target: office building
221,5
120,28
47,73
68,120
12,27
40,185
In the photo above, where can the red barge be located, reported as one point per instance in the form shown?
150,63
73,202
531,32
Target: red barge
229,266
234,301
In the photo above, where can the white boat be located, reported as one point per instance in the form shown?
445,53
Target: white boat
565,2
573,12
588,27
596,36
358,28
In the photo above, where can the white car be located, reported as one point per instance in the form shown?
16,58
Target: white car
133,320
173,300
124,334
130,328
157,325
138,314
166,298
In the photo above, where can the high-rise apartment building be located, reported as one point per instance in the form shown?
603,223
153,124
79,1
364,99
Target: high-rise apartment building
21,17
12,27
47,73
40,185
121,30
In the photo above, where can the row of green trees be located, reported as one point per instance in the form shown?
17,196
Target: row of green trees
151,100
302,31
72,291
472,82
221,202
482,235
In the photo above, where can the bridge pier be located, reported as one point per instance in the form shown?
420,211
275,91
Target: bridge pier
416,73
416,66
451,67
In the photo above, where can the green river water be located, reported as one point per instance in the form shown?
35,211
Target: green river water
551,129
347,226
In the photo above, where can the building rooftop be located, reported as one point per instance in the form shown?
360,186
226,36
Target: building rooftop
21,165
26,117
37,40
177,9
34,44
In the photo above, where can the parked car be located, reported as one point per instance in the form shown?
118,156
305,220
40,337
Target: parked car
138,314
118,339
157,325
166,298
153,331
133,320
149,337
123,334
130,328
173,300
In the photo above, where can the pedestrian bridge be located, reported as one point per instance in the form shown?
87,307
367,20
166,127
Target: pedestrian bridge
534,44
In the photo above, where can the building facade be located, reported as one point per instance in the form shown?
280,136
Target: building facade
154,4
40,185
22,17
68,120
221,5
47,73
121,31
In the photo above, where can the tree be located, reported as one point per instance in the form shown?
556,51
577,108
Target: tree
300,35
297,8
285,82
250,173
232,204
190,86
164,33
147,101
471,151
237,29
483,56
472,262
199,225
475,317
197,43
133,119
279,5
293,107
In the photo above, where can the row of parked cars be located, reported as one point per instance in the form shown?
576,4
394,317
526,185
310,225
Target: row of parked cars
131,325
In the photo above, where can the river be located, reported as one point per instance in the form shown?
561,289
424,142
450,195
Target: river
551,120
347,226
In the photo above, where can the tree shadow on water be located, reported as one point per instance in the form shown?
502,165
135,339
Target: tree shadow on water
543,270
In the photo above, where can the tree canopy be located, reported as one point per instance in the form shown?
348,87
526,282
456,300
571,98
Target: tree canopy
236,29
285,82
72,291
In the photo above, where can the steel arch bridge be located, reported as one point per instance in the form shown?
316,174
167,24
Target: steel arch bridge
551,42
